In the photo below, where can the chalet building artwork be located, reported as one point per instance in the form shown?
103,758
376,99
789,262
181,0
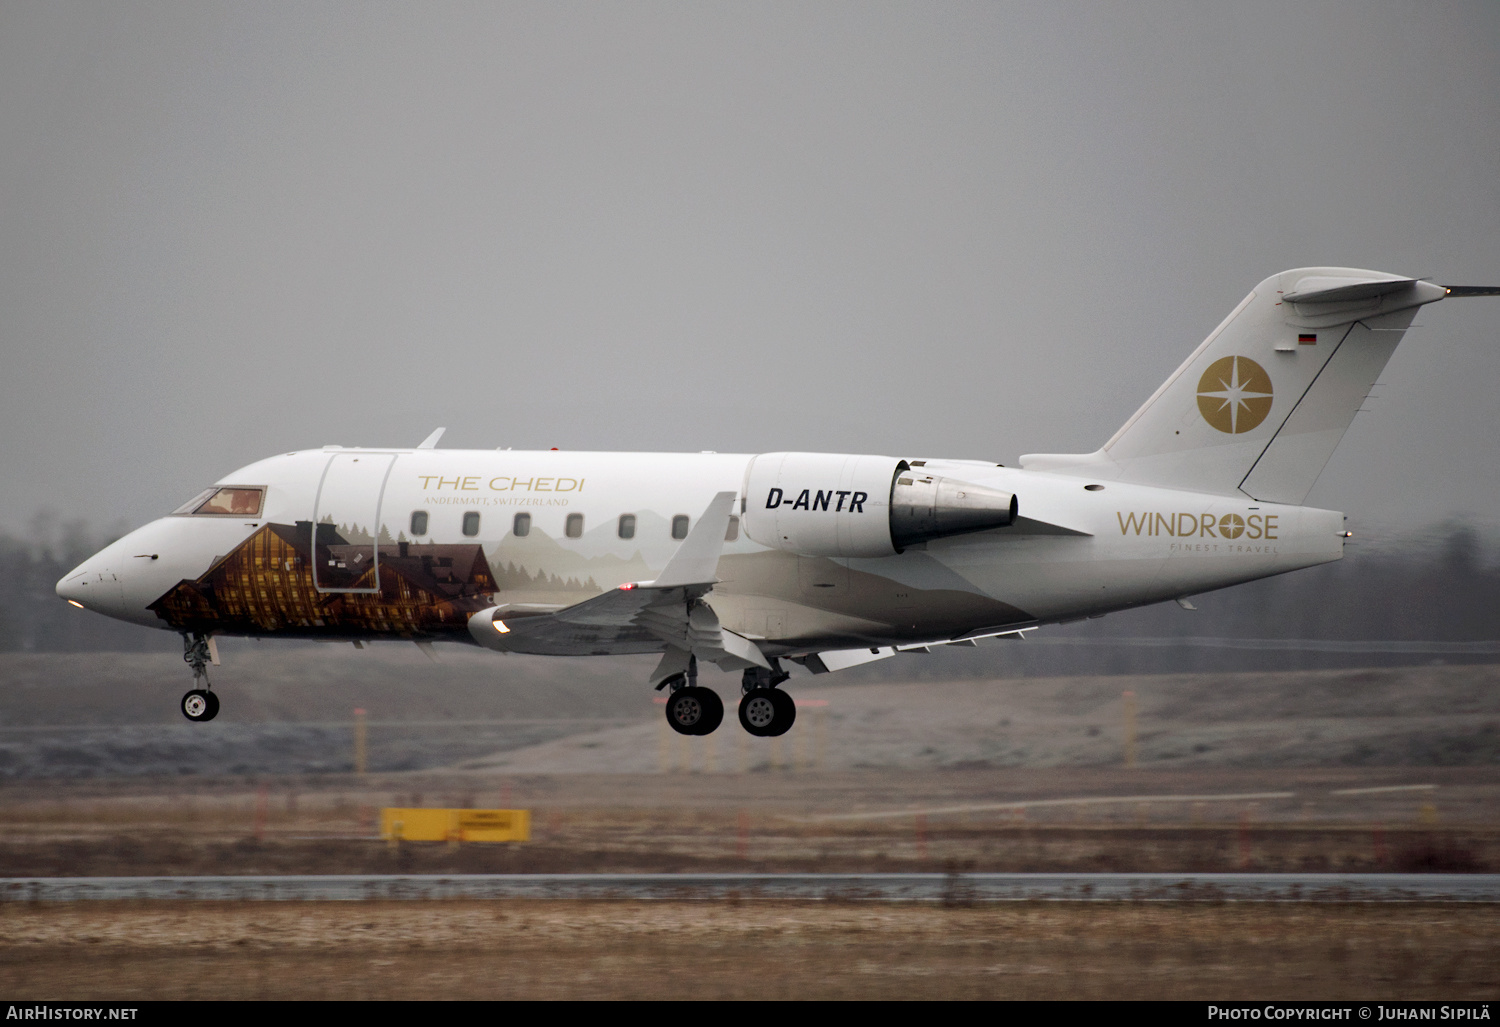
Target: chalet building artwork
266,585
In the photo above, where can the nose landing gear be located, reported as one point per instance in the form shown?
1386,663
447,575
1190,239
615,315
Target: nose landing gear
199,705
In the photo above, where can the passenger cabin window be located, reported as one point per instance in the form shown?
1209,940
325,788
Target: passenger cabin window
574,528
236,501
627,525
471,523
419,522
680,526
521,526
733,531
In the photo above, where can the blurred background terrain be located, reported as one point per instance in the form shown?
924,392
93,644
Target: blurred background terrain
1390,656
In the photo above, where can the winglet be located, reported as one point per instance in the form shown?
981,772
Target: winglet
431,441
697,560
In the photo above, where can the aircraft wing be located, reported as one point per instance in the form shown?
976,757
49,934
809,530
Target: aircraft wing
638,617
629,619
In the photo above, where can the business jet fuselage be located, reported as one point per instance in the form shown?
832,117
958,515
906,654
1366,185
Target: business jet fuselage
748,560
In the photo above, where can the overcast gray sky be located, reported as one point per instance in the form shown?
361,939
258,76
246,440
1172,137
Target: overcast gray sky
929,229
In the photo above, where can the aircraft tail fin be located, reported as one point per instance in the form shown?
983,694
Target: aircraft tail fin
1261,404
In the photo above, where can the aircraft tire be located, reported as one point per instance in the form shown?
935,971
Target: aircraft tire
786,713
200,706
713,711
760,712
687,710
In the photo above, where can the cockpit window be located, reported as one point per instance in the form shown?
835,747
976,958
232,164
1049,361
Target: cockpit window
235,501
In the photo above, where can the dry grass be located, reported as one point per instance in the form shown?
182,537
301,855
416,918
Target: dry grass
675,840
537,949
766,822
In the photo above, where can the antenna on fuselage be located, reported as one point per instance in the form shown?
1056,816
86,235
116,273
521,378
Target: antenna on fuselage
431,441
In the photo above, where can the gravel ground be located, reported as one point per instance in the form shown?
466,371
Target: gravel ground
551,950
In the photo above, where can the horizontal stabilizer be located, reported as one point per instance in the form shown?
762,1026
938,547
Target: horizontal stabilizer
1343,289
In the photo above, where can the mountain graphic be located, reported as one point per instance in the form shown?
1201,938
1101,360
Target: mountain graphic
539,569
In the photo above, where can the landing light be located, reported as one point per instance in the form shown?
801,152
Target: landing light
500,626
76,603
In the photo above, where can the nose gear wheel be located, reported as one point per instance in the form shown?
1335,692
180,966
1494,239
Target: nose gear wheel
200,705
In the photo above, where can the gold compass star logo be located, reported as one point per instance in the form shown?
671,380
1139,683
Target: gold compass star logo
1234,394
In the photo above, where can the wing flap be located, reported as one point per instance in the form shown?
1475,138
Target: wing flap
638,617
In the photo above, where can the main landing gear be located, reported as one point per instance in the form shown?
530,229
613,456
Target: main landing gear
765,710
200,704
692,709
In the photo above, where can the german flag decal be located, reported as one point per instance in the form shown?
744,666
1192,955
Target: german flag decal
1307,340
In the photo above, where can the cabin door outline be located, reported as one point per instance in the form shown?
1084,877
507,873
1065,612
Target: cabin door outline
350,492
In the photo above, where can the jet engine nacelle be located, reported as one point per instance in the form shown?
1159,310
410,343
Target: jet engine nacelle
826,504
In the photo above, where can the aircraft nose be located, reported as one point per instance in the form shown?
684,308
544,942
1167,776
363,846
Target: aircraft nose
93,585
69,589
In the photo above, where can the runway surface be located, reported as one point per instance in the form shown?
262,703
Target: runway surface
947,888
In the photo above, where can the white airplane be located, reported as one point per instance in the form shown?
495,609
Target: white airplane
753,561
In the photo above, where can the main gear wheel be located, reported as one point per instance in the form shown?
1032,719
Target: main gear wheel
767,712
694,710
